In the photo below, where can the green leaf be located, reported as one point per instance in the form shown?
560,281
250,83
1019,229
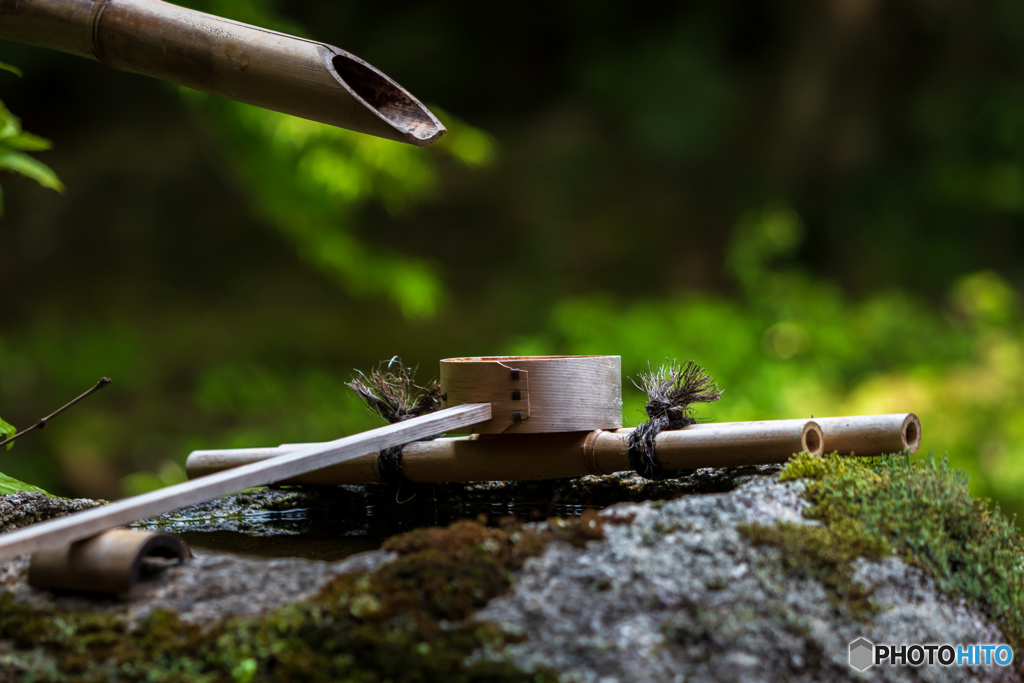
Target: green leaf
25,165
10,125
12,485
28,142
13,69
7,430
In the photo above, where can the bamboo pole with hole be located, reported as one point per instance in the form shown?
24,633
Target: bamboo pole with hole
870,435
250,64
574,454
488,457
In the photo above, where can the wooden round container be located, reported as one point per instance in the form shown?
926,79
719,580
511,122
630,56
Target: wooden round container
535,394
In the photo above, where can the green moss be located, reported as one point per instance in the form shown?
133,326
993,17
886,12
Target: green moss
924,511
405,622
824,553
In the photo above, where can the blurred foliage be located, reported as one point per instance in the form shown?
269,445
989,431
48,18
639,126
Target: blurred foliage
791,345
15,142
170,473
6,432
309,180
822,204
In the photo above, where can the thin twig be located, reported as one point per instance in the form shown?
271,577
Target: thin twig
104,381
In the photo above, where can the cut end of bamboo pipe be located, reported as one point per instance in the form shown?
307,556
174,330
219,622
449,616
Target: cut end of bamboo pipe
911,433
227,58
812,439
872,435
390,101
110,562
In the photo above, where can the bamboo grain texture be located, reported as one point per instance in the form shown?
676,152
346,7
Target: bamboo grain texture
489,457
555,393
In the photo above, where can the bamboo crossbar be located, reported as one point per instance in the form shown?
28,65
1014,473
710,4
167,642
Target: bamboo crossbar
297,461
254,65
574,454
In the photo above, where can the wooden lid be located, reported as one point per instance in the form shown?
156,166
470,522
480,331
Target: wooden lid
536,394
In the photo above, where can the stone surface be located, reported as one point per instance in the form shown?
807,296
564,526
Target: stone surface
676,593
21,509
201,591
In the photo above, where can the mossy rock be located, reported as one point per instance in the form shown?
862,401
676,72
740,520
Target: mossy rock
770,580
403,617
773,580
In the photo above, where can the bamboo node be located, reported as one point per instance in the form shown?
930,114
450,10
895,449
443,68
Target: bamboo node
590,454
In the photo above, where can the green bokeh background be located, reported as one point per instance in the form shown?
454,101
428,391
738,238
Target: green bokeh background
821,203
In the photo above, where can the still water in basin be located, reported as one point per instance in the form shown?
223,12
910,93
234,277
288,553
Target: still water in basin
330,523
333,524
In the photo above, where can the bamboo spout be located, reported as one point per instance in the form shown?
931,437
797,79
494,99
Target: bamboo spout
265,68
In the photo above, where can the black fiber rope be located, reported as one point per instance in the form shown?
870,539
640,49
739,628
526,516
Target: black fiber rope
641,441
389,466
671,390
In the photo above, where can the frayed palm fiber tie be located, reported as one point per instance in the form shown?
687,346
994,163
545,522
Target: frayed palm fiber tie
390,392
671,390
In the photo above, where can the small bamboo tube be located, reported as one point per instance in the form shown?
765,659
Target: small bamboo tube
549,456
870,435
110,562
246,63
